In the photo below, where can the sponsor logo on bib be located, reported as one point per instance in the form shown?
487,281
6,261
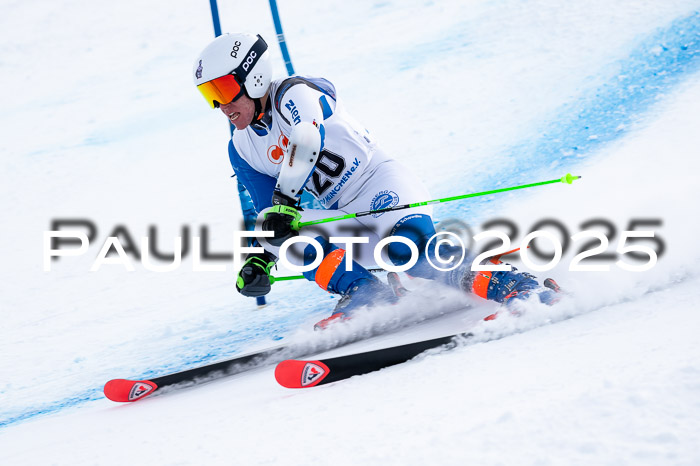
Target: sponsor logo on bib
275,153
384,200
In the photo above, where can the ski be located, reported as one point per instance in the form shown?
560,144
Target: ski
293,373
130,390
125,390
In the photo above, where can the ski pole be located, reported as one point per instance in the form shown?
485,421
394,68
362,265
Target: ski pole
282,279
299,277
568,179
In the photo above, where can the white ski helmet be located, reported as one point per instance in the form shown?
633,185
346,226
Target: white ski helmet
243,56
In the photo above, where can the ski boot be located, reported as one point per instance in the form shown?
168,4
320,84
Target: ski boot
396,285
363,292
506,287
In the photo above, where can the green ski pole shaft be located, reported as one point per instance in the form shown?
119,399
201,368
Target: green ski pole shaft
299,277
284,279
568,179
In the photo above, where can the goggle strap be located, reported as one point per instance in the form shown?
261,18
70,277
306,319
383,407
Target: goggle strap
250,59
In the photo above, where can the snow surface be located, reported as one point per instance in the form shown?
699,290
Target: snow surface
101,121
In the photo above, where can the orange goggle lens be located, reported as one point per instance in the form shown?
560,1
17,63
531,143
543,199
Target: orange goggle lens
221,90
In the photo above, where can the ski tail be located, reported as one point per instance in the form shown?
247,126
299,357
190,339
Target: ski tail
124,390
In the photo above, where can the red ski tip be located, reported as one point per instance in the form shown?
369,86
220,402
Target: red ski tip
293,373
124,390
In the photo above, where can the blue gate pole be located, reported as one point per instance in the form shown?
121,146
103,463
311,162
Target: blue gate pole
307,200
280,37
215,17
247,208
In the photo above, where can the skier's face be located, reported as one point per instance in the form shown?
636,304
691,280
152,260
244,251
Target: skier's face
240,112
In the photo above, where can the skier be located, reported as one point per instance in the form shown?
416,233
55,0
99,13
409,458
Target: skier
293,134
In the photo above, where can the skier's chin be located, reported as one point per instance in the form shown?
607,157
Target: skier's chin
242,123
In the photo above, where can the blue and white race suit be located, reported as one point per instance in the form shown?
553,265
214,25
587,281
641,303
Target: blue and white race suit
352,173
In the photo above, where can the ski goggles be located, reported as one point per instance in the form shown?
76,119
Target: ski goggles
222,90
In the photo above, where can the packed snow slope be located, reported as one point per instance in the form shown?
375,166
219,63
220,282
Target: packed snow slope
101,122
